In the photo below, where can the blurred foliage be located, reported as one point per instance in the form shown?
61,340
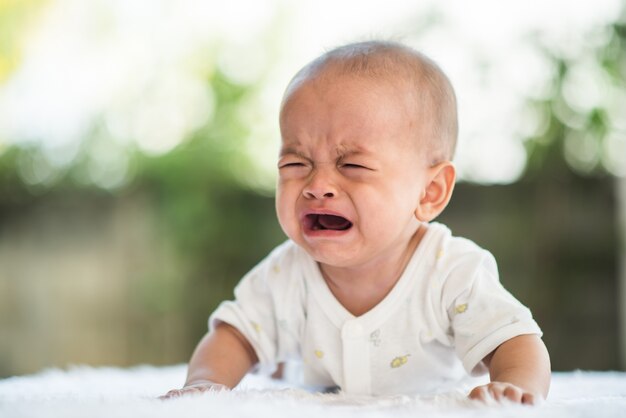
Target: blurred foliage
14,17
585,130
218,228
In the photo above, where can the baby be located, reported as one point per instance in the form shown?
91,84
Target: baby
369,294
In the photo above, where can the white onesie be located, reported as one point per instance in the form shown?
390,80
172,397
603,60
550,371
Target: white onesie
447,311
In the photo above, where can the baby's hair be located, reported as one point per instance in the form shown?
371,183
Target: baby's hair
395,61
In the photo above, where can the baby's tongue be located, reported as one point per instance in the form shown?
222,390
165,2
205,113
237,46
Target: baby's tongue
333,222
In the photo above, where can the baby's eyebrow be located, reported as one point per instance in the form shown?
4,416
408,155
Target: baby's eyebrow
341,152
356,152
290,151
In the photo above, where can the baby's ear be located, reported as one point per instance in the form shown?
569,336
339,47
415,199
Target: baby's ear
438,191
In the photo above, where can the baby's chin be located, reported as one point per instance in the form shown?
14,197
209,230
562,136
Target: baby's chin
332,254
337,252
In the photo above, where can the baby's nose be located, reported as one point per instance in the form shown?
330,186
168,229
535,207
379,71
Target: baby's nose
320,186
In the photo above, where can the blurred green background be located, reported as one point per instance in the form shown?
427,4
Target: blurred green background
137,144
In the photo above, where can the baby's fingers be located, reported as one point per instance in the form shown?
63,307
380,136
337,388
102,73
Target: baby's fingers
504,392
480,393
177,393
531,399
513,394
174,393
197,388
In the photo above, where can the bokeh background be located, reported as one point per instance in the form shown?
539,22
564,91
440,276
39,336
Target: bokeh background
138,142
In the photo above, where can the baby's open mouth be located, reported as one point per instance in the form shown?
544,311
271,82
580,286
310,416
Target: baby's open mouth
318,222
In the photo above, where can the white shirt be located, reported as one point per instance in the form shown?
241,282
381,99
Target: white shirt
447,311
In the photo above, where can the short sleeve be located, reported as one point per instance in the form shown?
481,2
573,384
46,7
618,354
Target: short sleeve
267,309
483,314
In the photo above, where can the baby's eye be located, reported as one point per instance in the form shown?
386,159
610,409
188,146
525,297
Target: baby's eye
350,165
292,164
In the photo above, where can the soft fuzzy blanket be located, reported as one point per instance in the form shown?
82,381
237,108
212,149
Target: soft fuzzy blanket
114,392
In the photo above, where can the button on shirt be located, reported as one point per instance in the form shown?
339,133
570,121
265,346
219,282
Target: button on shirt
446,313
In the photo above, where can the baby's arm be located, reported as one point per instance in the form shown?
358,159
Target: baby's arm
221,359
519,370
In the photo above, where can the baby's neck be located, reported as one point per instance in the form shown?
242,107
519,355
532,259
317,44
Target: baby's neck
361,288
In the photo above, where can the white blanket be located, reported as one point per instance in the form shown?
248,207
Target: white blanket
114,392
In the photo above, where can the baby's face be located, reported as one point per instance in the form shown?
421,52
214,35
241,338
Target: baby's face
351,169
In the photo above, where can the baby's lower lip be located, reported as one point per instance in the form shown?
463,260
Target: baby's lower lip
325,233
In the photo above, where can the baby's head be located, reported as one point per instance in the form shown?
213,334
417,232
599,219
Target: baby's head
368,132
416,77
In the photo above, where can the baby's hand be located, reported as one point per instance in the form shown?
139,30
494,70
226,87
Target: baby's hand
199,387
500,391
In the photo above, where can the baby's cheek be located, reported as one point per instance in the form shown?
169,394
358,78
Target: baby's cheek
282,205
287,225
